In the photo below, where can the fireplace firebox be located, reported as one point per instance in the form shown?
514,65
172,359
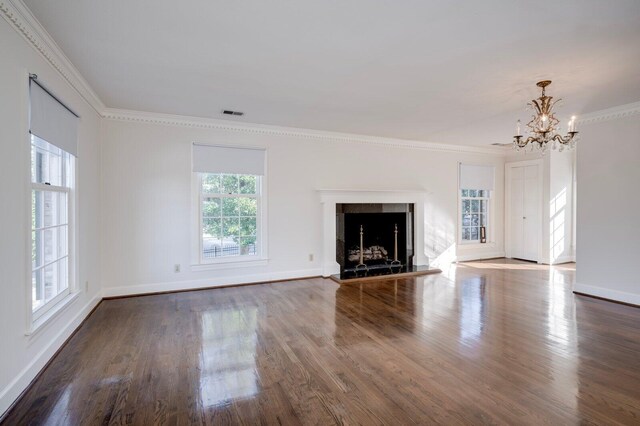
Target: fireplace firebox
374,239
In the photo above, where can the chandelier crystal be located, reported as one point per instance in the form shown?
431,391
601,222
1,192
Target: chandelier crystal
544,126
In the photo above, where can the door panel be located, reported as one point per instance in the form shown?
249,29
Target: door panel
517,206
531,220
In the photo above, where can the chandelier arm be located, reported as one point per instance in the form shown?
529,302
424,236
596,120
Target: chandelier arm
517,141
565,140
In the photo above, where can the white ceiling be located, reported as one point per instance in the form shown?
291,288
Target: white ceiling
444,71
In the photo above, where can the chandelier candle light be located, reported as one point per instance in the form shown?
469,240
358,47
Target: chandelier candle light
543,127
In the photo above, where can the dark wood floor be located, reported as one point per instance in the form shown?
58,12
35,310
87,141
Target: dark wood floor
485,342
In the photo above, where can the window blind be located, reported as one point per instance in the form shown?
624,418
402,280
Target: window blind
477,177
222,159
52,121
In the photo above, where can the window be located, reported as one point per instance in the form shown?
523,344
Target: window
53,140
229,215
475,203
51,183
229,207
475,214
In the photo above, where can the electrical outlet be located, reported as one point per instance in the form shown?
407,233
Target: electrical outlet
311,257
176,268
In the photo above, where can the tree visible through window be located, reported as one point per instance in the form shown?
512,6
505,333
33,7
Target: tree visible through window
230,205
475,213
51,182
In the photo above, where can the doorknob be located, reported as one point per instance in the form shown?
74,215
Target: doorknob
524,217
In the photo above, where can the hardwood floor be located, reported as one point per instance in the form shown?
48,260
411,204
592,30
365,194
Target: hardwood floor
496,342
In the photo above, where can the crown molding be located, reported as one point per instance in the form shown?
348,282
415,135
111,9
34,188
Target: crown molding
270,130
614,113
18,15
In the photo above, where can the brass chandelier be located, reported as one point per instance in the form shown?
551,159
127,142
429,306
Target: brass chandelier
544,127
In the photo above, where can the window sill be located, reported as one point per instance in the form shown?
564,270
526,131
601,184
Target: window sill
229,264
47,317
475,244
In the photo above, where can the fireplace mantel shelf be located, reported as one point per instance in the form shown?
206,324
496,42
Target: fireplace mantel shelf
369,191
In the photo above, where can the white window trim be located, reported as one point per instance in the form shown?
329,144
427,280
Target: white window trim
60,306
44,315
259,259
33,326
490,222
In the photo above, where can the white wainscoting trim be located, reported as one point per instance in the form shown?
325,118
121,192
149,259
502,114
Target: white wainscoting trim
23,21
129,290
614,113
607,293
13,390
479,256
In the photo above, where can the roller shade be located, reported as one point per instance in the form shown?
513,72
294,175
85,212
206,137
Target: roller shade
476,177
219,159
51,120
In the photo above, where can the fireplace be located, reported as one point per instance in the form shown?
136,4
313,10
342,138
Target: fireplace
333,202
374,239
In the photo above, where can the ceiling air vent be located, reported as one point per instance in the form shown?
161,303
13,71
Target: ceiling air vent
502,144
229,112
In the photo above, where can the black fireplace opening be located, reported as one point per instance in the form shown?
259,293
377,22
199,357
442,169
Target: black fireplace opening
374,239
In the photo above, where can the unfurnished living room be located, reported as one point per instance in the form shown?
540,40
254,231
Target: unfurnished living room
320,212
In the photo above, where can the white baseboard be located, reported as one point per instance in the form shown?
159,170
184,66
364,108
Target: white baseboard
564,259
606,293
13,390
559,260
128,290
479,256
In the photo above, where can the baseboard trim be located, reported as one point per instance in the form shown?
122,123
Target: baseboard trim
191,285
15,390
480,256
125,296
607,294
559,261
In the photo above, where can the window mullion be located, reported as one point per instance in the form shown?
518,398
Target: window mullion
37,268
44,228
51,188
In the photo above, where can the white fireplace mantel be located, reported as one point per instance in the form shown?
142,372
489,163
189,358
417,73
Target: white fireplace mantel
330,197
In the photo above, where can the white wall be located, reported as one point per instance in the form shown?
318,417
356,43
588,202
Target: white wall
147,185
558,209
557,231
21,356
608,234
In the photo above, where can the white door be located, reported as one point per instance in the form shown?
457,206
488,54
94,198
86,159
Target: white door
531,221
517,212
524,212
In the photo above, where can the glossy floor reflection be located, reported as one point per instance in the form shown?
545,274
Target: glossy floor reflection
485,342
